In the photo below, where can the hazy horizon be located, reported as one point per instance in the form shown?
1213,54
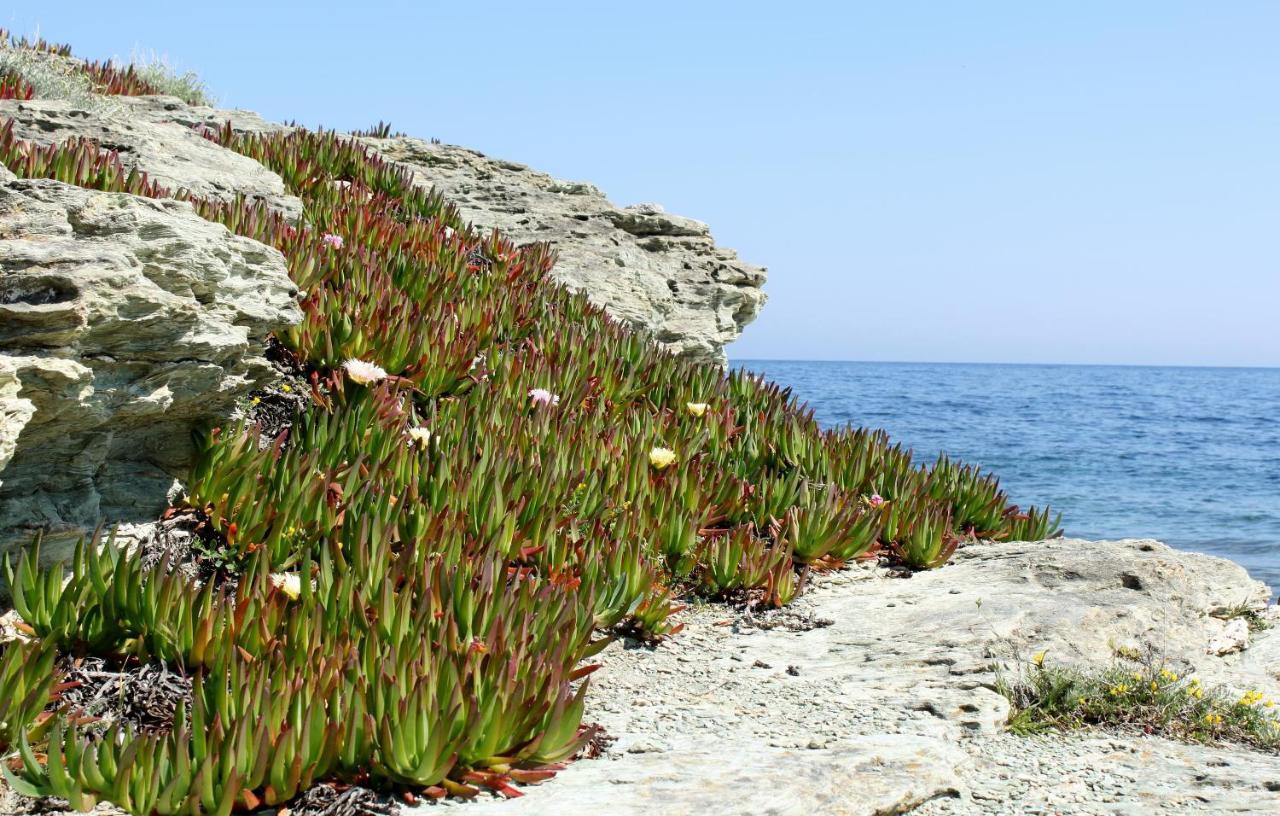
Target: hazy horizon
735,360
993,182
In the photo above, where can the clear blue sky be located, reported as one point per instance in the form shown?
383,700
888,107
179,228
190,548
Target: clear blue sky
1018,182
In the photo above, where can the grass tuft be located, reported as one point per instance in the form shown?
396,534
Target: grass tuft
1152,697
50,76
157,71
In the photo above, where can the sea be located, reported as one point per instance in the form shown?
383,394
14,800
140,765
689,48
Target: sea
1187,456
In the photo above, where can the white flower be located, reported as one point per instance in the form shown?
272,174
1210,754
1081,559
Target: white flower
542,396
420,437
662,458
364,373
287,582
696,408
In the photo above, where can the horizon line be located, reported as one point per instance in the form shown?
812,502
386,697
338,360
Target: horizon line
733,361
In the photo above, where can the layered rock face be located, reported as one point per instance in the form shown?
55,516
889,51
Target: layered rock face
124,323
157,135
658,272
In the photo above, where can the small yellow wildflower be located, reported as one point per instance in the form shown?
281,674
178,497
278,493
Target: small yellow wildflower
1250,697
1137,676
1171,676
1155,686
696,408
1038,658
1118,689
662,458
255,400
1195,692
1082,701
1213,719
286,388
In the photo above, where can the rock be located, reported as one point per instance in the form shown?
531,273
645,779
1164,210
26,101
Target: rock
155,134
1234,637
875,775
893,708
658,272
125,322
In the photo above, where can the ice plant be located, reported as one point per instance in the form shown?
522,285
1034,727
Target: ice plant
450,598
364,373
662,458
541,396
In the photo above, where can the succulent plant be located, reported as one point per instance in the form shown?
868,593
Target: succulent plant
493,477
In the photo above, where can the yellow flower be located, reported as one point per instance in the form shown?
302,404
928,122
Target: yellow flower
1137,676
287,582
1213,719
1118,689
696,408
255,400
1154,685
1196,692
1171,676
1082,701
1038,658
662,458
1250,697
286,388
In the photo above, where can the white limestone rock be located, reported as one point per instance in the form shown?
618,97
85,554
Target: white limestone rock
125,322
658,272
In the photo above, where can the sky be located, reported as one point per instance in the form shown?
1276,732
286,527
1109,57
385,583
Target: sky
1084,182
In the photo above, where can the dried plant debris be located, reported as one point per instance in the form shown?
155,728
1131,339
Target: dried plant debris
333,800
598,745
142,695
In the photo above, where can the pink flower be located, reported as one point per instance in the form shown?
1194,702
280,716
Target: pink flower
332,240
876,500
542,396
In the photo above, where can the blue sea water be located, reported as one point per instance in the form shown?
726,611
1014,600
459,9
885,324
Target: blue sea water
1189,456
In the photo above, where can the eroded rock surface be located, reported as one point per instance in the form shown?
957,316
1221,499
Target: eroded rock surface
659,272
156,134
891,708
124,323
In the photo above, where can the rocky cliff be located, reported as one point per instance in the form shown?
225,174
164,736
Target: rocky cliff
657,271
125,322
129,322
